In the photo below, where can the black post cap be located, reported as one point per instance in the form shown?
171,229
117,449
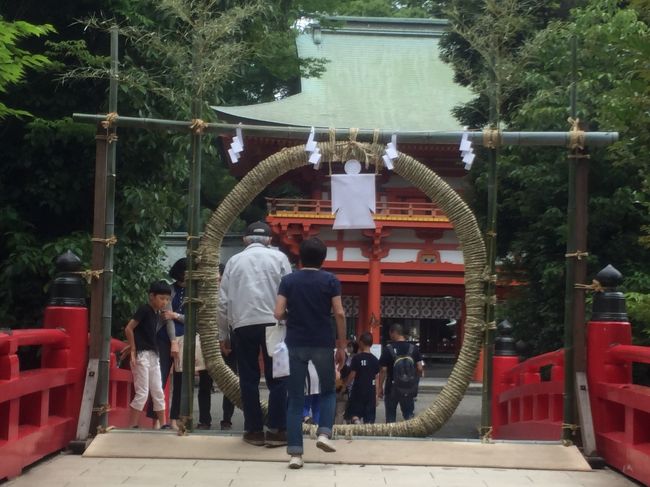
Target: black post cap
68,287
609,304
504,344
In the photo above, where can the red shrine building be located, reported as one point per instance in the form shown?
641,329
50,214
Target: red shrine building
386,74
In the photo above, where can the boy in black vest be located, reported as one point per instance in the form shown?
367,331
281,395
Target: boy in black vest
401,367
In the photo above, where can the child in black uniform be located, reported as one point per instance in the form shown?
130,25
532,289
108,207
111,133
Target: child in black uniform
364,368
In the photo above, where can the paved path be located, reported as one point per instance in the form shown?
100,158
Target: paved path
66,470
76,471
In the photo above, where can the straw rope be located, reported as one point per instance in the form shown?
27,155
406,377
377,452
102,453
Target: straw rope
421,177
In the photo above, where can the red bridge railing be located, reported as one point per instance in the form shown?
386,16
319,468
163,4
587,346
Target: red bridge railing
527,397
621,409
39,408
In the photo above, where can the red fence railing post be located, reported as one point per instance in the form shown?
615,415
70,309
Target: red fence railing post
505,358
67,310
608,326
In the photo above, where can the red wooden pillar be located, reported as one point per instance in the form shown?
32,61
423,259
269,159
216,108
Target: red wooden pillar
374,299
375,253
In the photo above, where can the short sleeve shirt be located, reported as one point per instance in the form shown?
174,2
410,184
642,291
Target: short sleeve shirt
145,333
386,359
366,367
309,296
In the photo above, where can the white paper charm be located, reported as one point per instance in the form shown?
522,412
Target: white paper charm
353,199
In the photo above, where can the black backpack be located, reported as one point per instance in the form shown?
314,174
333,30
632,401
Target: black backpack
405,378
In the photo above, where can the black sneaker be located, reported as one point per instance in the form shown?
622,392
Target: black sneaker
254,437
272,440
225,425
202,426
166,427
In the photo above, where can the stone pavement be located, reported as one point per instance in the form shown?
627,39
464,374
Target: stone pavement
75,471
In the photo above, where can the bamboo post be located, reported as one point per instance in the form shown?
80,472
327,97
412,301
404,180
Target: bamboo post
576,266
194,209
103,246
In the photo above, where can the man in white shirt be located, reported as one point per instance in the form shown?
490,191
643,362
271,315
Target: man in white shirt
249,286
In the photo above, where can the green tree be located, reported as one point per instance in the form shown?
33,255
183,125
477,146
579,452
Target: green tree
14,61
48,164
533,183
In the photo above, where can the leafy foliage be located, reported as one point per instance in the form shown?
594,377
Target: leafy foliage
14,61
533,184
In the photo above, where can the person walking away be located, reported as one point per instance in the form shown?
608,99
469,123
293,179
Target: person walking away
306,299
246,299
140,333
401,368
364,368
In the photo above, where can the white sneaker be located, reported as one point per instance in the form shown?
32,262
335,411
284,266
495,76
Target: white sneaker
325,444
296,462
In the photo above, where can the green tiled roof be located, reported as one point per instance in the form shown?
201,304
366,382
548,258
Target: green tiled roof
381,73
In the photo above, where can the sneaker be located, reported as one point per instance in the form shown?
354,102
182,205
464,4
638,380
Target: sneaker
166,427
296,462
325,444
271,440
225,425
202,426
254,438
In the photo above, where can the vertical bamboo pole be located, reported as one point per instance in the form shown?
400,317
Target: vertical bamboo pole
101,397
574,312
187,392
490,286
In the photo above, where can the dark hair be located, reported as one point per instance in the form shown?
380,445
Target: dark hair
222,267
160,287
396,328
366,339
177,272
312,252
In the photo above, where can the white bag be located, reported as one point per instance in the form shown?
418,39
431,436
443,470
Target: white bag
199,363
274,336
280,361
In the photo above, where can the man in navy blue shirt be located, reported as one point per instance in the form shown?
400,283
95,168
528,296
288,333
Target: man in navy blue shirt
306,299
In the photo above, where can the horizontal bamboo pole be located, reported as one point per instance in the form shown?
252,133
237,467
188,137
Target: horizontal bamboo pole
561,139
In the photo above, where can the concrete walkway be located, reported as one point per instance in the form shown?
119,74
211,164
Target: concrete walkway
76,471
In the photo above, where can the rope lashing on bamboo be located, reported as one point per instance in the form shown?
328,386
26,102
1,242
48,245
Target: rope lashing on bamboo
576,136
111,118
571,427
492,138
102,409
112,240
485,433
595,286
578,254
198,126
89,274
469,237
